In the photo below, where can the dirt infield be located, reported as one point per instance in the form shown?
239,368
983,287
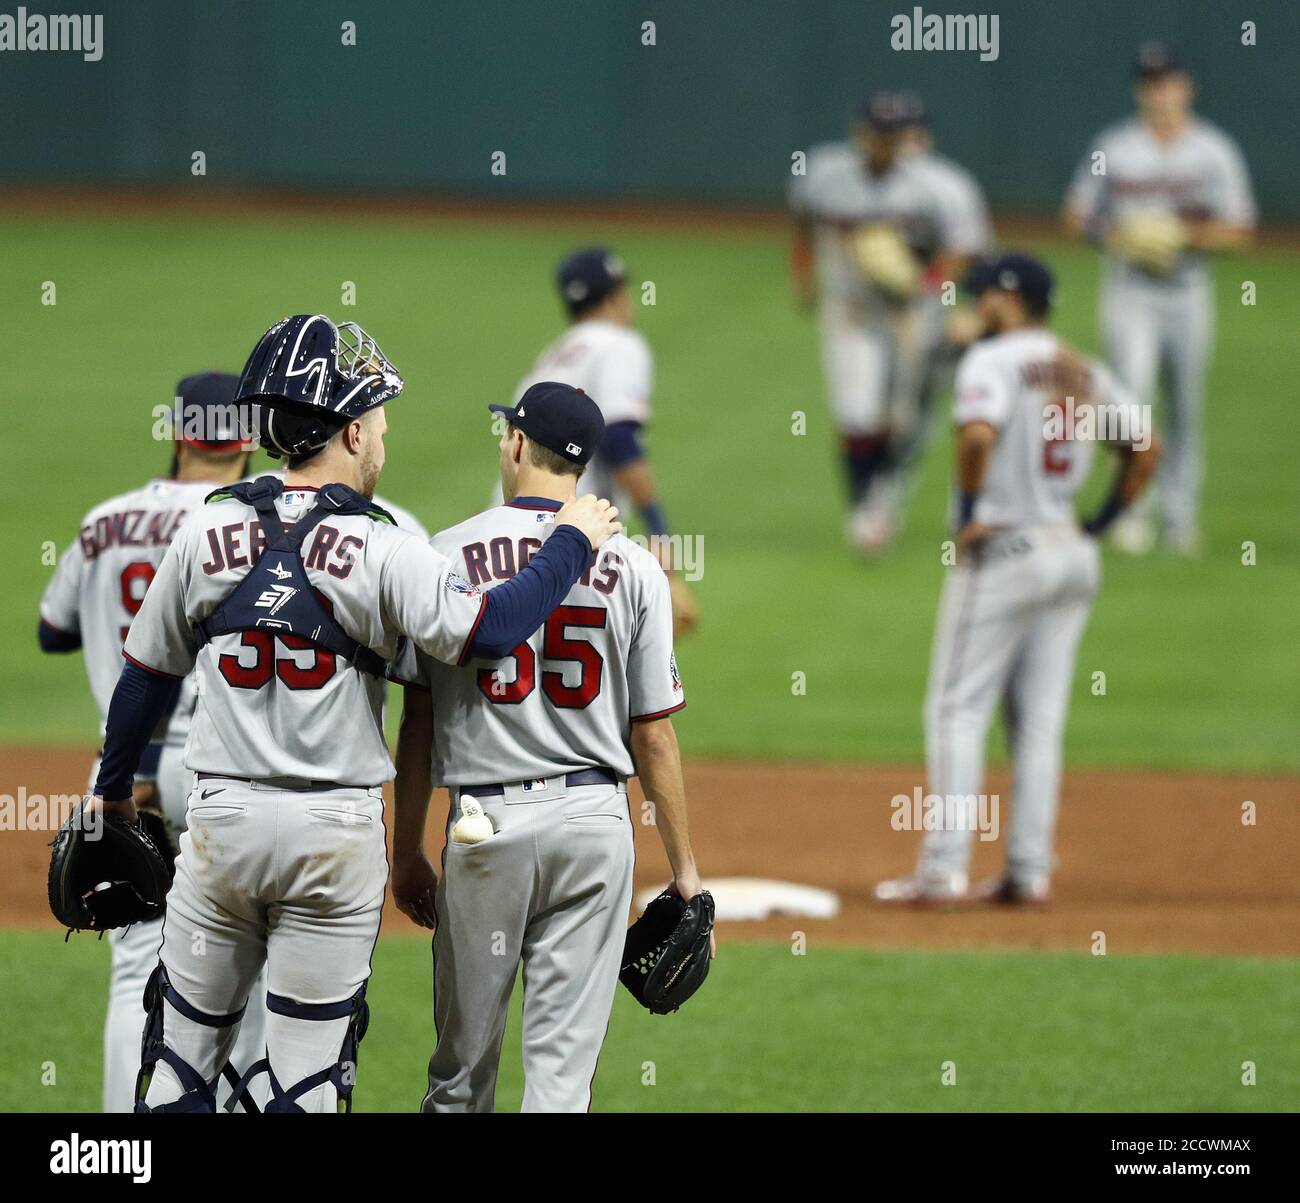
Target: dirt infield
1156,862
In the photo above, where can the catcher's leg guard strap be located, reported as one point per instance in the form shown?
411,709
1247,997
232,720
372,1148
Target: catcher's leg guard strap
342,1073
198,1091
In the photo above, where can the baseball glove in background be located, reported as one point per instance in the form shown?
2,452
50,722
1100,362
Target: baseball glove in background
666,954
106,873
887,261
1151,240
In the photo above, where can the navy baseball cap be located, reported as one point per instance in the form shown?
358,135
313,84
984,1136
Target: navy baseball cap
559,417
207,416
587,277
1024,275
1155,59
887,112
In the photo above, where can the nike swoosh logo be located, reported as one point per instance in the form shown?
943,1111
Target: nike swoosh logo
207,793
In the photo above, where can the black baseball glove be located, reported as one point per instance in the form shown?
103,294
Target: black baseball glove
106,873
666,954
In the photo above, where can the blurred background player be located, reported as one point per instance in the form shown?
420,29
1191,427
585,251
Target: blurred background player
1157,192
601,354
96,590
870,222
945,330
1014,607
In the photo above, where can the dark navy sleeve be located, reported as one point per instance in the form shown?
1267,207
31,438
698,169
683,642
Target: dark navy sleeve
139,703
514,610
52,639
621,444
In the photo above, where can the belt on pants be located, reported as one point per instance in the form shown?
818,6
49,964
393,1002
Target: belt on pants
571,780
285,783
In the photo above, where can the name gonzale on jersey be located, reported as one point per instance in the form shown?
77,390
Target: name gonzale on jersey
239,544
501,558
130,528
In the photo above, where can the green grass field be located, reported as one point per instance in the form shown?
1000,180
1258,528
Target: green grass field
834,1030
1201,657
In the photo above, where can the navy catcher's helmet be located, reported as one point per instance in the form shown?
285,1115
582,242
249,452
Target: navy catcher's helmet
312,377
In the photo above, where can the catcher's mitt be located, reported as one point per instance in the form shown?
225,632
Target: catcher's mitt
887,261
666,954
1151,240
106,873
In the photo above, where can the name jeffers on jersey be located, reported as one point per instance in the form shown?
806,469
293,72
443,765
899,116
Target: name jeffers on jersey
239,544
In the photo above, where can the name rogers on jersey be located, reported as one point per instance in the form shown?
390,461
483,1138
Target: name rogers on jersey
238,544
502,557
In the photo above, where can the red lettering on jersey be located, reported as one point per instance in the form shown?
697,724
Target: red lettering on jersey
609,573
326,537
346,556
475,557
214,565
528,548
503,558
230,535
256,540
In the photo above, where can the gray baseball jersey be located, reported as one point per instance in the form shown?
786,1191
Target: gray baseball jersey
99,583
566,698
1010,382
966,216
613,365
839,194
1199,174
272,705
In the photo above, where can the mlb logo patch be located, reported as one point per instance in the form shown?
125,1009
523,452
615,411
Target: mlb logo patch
574,449
673,673
539,783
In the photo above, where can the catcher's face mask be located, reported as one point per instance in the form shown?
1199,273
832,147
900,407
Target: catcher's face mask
311,377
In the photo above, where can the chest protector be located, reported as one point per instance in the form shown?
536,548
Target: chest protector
276,594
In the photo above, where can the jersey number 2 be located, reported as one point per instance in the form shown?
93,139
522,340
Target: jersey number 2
556,646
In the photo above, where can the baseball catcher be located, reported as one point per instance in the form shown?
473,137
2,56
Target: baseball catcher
666,955
106,872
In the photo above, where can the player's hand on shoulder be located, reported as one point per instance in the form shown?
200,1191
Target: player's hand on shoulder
414,886
593,516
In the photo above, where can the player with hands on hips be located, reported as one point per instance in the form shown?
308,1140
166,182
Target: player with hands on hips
602,354
1158,193
288,599
535,748
1014,607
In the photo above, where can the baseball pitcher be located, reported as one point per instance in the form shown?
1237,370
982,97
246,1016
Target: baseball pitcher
1014,607
535,749
869,222
97,589
288,599
1158,193
602,354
